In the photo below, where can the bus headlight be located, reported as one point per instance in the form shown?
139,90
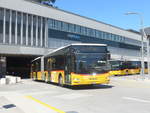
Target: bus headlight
94,74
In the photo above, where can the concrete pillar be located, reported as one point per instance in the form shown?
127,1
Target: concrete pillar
16,28
41,32
26,29
21,32
36,30
2,67
46,33
31,30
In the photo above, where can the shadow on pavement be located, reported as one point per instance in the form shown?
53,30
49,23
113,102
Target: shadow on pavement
123,75
91,87
82,87
71,112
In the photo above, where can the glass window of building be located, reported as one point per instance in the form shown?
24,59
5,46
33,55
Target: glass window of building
13,26
88,31
55,24
24,28
65,26
100,34
34,30
96,34
7,25
92,33
59,25
50,23
1,24
29,30
19,28
104,35
117,38
83,30
77,29
110,36
120,38
107,36
113,37
43,35
39,31
125,40
71,28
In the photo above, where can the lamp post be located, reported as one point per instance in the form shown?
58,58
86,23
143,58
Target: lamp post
147,32
148,54
142,41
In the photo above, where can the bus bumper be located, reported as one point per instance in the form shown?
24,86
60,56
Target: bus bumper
117,72
90,80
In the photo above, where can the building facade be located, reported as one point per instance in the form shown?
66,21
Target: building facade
29,29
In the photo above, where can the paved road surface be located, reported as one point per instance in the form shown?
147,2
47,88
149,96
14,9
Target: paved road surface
120,96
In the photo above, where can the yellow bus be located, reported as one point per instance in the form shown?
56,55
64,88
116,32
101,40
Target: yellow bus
116,68
119,67
75,64
146,67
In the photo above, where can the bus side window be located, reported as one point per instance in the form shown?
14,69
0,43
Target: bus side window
68,63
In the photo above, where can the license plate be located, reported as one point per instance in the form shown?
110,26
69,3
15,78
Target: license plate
93,78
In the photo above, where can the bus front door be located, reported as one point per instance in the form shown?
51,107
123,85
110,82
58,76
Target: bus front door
68,69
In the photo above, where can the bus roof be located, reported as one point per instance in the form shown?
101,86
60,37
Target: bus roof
86,44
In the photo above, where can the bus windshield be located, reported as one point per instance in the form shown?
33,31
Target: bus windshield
115,65
89,63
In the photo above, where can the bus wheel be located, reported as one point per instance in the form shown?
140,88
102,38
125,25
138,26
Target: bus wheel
60,81
34,77
46,80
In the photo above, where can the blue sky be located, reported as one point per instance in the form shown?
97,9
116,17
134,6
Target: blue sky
110,11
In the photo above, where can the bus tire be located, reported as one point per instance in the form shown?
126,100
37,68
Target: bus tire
46,79
60,81
34,77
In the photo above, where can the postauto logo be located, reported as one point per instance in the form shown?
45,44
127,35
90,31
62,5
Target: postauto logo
73,36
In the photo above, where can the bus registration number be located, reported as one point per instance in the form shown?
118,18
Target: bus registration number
92,78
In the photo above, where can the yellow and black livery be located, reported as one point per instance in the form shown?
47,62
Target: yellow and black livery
75,64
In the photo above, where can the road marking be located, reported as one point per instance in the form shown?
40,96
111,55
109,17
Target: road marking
44,104
136,99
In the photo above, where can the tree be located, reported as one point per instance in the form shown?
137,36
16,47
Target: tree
48,1
53,1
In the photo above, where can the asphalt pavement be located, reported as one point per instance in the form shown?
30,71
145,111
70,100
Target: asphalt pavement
123,95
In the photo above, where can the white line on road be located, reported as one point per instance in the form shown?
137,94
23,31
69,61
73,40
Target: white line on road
136,99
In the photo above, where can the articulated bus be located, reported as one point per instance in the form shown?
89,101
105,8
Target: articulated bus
116,67
119,67
146,68
76,64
